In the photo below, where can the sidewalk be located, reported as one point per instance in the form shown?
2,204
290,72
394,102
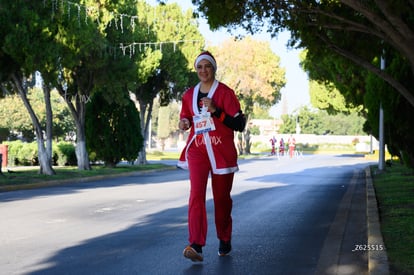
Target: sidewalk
354,244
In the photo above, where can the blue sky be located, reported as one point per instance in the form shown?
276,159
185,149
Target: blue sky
296,91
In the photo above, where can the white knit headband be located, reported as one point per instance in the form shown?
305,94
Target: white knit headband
208,58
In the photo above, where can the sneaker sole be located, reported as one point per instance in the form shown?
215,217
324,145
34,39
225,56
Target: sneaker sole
191,254
223,254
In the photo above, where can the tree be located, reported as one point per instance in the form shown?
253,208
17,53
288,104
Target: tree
89,61
261,112
325,96
288,125
21,21
76,50
345,40
253,71
173,111
40,54
357,31
344,81
113,130
95,56
14,116
398,130
362,87
168,70
163,130
320,122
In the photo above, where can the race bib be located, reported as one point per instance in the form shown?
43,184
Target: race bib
203,123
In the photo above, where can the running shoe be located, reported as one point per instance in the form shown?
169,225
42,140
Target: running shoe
224,248
190,252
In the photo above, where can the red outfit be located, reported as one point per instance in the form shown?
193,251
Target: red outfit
292,143
273,143
210,152
282,146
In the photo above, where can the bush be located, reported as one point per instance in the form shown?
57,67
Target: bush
29,154
65,154
26,154
157,153
22,153
260,147
13,152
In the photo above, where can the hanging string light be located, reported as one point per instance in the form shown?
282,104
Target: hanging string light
130,48
117,22
117,18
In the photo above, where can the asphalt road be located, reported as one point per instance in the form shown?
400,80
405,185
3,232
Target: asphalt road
282,213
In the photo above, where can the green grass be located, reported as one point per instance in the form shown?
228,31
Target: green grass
395,194
158,155
29,175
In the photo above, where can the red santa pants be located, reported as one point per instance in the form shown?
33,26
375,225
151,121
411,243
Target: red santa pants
200,168
291,150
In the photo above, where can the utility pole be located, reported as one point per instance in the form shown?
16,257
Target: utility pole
381,160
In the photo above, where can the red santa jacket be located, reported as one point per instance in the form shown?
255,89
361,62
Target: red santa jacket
220,146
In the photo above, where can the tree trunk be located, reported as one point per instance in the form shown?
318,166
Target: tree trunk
142,157
247,143
145,119
45,160
82,155
78,115
239,140
245,135
81,152
49,124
